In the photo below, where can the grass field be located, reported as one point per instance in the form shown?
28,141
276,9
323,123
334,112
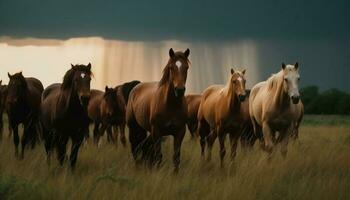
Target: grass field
317,167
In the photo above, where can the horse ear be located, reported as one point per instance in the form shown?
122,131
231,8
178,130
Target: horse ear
232,71
0,82
106,88
20,73
283,66
72,65
89,66
9,75
243,71
187,52
296,66
171,53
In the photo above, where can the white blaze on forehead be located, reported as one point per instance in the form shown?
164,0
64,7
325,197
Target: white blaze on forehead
178,64
239,79
82,75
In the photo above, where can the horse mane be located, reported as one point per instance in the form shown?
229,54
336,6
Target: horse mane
274,80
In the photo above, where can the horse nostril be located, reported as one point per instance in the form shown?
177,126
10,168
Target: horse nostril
295,99
241,97
85,99
180,91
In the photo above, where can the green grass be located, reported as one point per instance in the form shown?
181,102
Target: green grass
317,167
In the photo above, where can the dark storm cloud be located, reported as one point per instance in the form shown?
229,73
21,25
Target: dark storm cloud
176,19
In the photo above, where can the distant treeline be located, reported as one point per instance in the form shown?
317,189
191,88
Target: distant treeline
332,101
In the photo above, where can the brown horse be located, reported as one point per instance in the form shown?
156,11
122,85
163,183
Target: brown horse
220,112
193,101
123,92
64,112
3,94
104,111
248,138
22,105
275,106
160,108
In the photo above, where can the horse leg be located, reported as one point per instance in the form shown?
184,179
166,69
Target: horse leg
222,135
96,132
178,137
210,140
15,138
49,139
101,133
136,137
203,132
234,137
122,133
284,139
76,143
110,137
268,133
61,148
26,137
152,147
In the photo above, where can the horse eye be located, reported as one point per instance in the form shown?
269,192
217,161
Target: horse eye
285,79
298,79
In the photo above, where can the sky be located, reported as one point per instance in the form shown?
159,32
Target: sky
315,32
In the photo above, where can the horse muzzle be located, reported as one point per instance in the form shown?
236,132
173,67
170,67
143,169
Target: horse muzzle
84,100
295,99
241,97
180,91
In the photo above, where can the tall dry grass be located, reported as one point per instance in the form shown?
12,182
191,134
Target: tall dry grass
317,167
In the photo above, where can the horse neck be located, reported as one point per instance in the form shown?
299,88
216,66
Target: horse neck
231,99
166,93
280,97
67,99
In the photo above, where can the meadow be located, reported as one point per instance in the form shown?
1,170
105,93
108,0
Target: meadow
317,167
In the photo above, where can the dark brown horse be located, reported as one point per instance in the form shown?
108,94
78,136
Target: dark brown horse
64,112
159,108
123,92
220,112
103,111
193,101
3,94
22,105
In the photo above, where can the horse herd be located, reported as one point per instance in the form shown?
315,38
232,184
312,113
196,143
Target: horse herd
270,112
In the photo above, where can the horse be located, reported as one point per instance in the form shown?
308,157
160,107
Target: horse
274,106
248,138
220,112
64,113
104,111
3,94
193,101
159,108
123,92
22,104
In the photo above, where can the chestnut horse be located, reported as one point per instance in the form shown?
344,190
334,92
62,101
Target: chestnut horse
103,111
159,108
23,105
220,112
275,106
64,112
193,101
3,94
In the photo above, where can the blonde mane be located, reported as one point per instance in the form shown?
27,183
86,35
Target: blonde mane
274,80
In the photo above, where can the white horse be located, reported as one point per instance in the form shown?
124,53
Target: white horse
275,106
